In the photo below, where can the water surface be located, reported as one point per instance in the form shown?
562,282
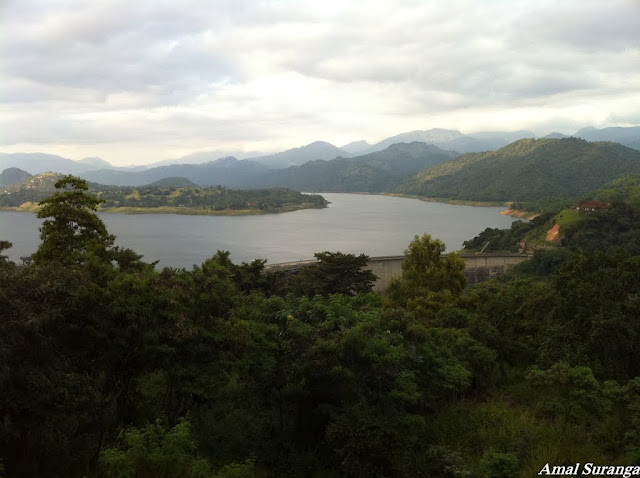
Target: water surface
353,223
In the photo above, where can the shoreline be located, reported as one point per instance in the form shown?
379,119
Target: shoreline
175,210
529,216
455,202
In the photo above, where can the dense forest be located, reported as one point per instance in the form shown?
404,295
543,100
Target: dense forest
112,368
527,170
615,226
173,195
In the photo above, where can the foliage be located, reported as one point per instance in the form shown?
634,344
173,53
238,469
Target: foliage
334,273
429,280
155,451
4,245
504,239
526,170
595,321
170,194
102,357
73,228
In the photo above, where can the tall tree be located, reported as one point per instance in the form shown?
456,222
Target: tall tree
429,279
74,228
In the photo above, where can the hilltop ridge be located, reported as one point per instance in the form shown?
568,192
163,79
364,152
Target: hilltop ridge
526,170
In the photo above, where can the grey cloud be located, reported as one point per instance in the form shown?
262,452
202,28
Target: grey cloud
71,58
590,26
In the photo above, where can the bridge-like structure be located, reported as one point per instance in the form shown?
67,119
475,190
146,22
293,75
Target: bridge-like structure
478,267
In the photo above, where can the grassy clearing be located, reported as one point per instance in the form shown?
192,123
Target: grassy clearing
568,218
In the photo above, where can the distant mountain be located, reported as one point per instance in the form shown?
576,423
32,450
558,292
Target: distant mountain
356,147
36,163
203,157
13,176
627,136
433,136
174,182
526,170
297,156
468,144
453,140
555,136
374,172
97,163
229,172
506,136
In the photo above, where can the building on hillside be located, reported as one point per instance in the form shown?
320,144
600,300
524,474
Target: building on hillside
592,206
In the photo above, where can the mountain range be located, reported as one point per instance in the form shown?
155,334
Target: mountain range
524,170
451,140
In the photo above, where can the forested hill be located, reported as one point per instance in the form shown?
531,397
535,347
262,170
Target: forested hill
13,176
526,170
166,197
374,172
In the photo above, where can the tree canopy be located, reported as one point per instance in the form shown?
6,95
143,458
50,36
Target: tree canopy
429,279
112,368
71,227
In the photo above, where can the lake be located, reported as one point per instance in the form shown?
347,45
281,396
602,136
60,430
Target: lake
353,223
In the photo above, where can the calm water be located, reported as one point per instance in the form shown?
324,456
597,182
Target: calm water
374,225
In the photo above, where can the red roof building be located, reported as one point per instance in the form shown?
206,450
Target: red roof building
592,206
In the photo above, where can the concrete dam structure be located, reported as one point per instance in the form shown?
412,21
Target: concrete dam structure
478,267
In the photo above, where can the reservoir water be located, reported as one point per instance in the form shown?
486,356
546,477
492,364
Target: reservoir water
353,223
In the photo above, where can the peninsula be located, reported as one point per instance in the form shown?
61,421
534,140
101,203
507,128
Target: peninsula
169,196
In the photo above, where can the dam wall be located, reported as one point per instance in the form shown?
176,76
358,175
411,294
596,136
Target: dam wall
478,267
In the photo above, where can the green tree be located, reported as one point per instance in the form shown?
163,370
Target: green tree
4,245
74,227
429,279
155,451
335,273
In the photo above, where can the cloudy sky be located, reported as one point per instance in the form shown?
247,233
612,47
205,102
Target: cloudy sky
146,80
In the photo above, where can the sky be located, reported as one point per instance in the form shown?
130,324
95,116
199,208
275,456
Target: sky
140,81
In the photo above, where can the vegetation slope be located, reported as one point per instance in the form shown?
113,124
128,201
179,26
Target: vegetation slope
13,176
617,225
380,171
166,197
526,170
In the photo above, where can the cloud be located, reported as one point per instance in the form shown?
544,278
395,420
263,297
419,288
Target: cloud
172,77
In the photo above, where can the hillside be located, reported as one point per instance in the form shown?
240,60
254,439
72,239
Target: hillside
374,172
297,156
174,182
627,136
526,170
613,223
13,176
165,198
